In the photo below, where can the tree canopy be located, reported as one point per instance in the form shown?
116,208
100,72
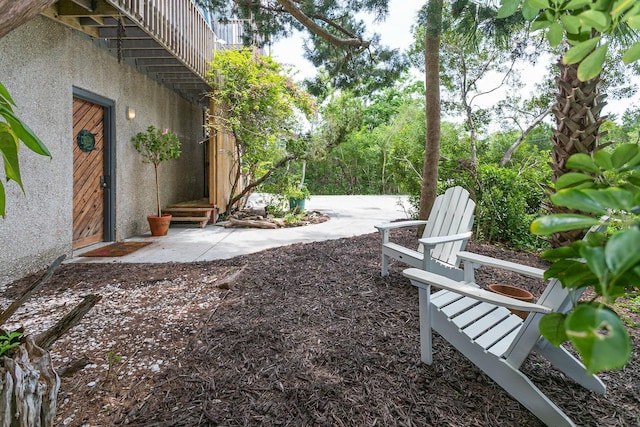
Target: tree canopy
589,27
338,40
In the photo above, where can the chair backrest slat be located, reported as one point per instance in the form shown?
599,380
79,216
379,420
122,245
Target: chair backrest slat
452,213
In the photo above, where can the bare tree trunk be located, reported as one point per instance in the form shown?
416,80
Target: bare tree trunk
252,185
28,387
14,13
303,173
428,189
472,139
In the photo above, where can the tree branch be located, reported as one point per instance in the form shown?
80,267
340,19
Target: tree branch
536,122
305,20
15,13
262,179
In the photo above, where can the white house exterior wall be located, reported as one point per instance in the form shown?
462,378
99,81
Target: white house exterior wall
40,64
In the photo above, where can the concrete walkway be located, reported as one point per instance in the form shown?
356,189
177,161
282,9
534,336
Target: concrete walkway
349,216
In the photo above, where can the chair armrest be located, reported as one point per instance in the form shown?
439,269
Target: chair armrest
423,279
399,224
432,241
525,270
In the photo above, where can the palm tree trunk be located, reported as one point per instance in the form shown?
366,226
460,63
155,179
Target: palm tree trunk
577,112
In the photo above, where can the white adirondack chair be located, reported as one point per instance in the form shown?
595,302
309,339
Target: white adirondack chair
446,233
478,323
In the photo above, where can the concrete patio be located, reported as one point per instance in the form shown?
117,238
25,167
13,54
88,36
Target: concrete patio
349,216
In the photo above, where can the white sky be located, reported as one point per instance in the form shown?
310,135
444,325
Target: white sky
395,32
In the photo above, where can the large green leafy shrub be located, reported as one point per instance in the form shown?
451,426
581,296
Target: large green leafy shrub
606,188
507,201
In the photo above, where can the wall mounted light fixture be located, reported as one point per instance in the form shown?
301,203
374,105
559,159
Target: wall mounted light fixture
131,113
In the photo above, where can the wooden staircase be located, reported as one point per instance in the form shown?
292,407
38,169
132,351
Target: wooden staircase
199,211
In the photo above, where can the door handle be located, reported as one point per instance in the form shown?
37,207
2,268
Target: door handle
104,181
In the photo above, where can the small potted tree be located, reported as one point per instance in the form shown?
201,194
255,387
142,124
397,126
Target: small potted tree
156,146
297,195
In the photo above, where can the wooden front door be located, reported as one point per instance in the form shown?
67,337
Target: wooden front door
88,172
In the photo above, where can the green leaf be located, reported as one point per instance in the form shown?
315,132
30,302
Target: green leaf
551,327
595,19
508,8
571,23
599,336
9,145
635,180
538,4
634,163
4,93
26,135
591,66
582,200
539,24
572,273
580,50
529,13
632,54
582,162
622,251
555,34
561,222
594,256
634,22
602,159
624,153
602,5
595,238
576,4
571,179
560,253
611,198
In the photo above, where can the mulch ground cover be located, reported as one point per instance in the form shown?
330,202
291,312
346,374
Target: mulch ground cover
312,335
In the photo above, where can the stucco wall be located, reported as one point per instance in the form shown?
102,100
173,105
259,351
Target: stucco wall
40,63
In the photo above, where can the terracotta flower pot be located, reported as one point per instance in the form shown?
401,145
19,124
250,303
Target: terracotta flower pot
513,292
159,225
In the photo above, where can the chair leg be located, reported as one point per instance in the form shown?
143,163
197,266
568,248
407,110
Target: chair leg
567,363
426,347
524,391
385,265
507,376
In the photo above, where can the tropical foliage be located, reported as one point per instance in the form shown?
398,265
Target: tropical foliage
584,30
606,187
588,26
12,131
